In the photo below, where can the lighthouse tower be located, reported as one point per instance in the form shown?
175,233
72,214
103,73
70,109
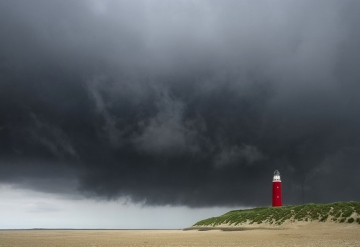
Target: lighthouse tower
276,190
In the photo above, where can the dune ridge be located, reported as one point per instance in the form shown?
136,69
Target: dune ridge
285,217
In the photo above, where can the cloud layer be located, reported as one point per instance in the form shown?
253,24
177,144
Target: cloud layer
190,103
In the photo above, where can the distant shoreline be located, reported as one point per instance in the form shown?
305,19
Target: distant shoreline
90,229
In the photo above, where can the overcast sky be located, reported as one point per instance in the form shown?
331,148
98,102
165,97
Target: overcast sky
176,110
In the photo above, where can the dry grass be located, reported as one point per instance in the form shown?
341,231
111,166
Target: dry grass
342,212
311,234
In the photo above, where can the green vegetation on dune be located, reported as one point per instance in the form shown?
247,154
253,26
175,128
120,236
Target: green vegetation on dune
348,212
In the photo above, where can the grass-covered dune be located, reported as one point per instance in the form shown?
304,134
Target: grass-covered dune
341,212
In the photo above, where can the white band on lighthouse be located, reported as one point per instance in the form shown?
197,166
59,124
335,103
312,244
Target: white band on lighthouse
276,177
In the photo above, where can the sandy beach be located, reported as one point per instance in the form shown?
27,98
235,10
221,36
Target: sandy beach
313,234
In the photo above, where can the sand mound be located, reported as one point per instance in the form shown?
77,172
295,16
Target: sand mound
288,224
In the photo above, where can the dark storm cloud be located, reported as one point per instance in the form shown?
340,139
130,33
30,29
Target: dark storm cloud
184,103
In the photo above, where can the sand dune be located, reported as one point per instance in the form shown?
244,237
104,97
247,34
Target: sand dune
311,234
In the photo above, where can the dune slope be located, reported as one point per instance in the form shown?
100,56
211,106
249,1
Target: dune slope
338,212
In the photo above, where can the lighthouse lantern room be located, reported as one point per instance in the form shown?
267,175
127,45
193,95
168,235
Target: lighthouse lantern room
276,190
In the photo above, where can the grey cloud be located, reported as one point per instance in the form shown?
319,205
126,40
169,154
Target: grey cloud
112,133
166,132
180,103
41,207
52,138
235,155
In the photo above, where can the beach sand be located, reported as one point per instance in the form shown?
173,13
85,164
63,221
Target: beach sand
312,234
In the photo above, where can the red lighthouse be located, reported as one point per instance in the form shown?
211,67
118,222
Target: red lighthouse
276,190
